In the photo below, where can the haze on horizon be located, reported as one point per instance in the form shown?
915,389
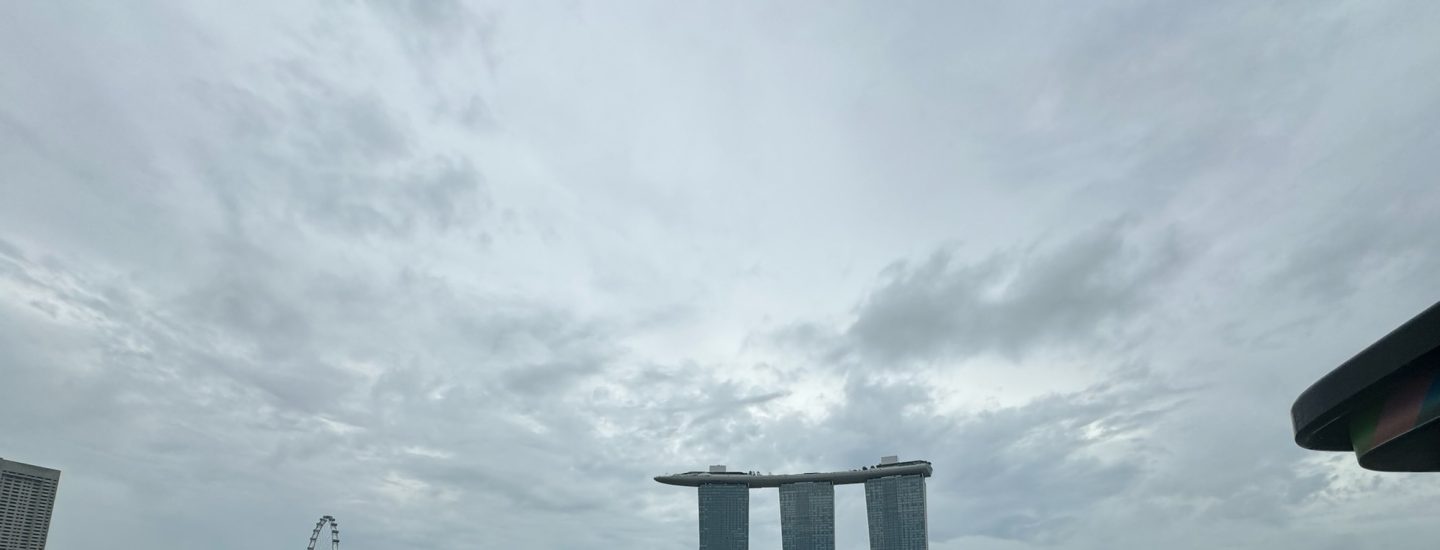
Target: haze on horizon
471,274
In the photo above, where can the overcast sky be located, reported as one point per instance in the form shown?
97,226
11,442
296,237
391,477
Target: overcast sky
470,275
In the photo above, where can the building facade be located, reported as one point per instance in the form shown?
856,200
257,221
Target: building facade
27,497
894,494
807,516
896,509
724,516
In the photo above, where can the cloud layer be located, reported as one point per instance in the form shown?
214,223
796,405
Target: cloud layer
463,273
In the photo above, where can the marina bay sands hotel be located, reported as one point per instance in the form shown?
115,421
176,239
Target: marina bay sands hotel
894,502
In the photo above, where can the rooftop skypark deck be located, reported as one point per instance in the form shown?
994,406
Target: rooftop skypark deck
755,480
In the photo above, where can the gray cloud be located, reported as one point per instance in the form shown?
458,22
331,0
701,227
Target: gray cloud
341,160
1013,302
1029,473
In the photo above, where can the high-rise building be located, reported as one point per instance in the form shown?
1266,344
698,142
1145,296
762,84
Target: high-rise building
896,509
894,494
724,516
807,515
27,495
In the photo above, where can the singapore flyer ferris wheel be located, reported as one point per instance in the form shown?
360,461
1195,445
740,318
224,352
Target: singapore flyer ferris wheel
334,532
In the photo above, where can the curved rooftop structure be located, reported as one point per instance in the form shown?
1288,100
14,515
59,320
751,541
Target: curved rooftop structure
755,480
1383,403
1321,414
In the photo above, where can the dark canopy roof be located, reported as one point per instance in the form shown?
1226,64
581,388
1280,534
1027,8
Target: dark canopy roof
1321,413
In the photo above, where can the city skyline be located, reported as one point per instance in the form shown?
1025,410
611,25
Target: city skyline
897,511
